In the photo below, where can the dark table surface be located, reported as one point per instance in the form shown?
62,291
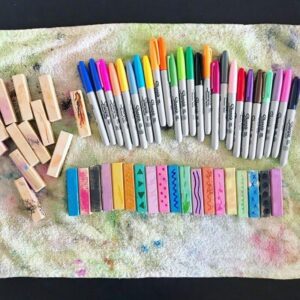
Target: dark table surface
38,13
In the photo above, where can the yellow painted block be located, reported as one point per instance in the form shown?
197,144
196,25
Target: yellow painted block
118,185
230,186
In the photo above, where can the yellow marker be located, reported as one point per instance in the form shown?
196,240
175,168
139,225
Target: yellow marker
118,185
230,186
147,72
121,75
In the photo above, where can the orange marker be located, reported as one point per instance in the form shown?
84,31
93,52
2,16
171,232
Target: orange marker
208,191
207,57
129,189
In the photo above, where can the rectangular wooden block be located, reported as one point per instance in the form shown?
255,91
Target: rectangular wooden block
3,148
84,191
60,152
253,194
185,189
49,97
6,108
230,187
118,185
23,96
30,174
35,143
30,200
3,133
107,187
82,121
95,187
140,188
22,144
219,184
152,189
208,191
73,192
174,188
163,188
43,124
129,187
265,193
276,192
197,192
242,193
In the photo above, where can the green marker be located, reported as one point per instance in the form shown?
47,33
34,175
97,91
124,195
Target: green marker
172,74
182,91
264,112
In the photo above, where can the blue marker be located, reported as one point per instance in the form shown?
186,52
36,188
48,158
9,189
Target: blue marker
87,85
174,188
253,194
102,101
72,192
140,81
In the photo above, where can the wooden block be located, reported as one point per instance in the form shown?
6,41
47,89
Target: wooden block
174,189
43,124
208,191
107,187
265,193
33,140
3,148
242,193
49,97
30,200
140,188
60,152
197,192
118,185
95,187
276,192
18,138
84,191
129,187
80,113
253,194
185,189
230,187
152,189
3,133
23,96
6,108
73,192
163,188
30,174
219,185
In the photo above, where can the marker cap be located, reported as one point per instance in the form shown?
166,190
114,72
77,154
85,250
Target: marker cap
224,62
85,78
215,77
181,64
258,86
189,61
294,95
268,82
232,78
131,78
154,54
138,70
207,57
114,79
95,75
103,74
198,61
172,71
286,85
250,84
121,75
162,48
241,82
277,85
148,72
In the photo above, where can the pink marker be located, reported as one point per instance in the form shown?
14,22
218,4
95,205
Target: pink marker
276,192
197,192
105,81
84,191
163,189
151,189
106,185
219,184
215,90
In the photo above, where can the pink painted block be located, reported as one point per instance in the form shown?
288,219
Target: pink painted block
84,191
219,183
163,189
151,189
197,192
276,192
106,185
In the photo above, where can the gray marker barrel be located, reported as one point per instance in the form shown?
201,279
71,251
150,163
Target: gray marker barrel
199,112
167,97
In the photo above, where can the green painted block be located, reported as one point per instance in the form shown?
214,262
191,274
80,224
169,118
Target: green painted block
185,189
242,193
140,188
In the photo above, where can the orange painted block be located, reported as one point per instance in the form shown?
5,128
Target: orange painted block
129,189
208,191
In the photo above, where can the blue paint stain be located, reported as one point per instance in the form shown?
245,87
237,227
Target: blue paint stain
158,244
144,249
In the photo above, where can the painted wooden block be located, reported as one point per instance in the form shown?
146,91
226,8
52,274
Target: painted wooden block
107,187
140,188
6,108
208,191
3,133
242,193
253,194
174,189
197,192
73,192
152,196
95,187
230,187
84,191
129,186
276,192
118,185
185,189
3,148
219,185
265,193
163,188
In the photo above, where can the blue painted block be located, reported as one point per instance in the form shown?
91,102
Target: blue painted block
174,189
72,192
253,194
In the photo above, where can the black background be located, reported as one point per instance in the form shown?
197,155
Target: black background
47,13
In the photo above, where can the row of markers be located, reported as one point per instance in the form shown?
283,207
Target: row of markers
175,189
197,96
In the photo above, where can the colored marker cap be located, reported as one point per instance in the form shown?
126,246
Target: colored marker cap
121,75
114,79
215,77
286,85
148,72
172,71
258,86
277,85
207,57
95,75
131,78
189,61
180,64
224,62
154,54
103,74
250,84
268,82
198,63
85,78
295,93
138,70
232,86
162,48
241,85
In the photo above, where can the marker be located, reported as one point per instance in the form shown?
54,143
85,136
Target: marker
154,59
172,73
207,57
151,99
140,81
182,91
102,101
255,114
290,121
127,101
247,114
198,61
136,105
164,80
264,112
103,75
285,92
276,93
215,89
189,63
239,112
224,66
119,104
87,85
232,87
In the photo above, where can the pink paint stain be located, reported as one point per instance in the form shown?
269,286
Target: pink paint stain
80,268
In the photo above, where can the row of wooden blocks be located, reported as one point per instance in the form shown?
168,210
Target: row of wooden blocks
176,189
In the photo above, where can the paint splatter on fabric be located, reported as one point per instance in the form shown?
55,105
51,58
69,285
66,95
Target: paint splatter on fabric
123,244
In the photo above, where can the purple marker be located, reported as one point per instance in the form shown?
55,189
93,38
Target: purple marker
247,114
